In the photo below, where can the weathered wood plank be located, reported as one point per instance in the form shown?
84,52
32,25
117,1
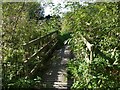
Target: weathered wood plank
36,53
89,46
34,70
38,39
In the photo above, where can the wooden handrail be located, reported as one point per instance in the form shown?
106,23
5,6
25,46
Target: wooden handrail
37,39
38,65
36,53
89,47
48,42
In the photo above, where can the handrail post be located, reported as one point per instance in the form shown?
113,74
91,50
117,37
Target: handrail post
91,53
89,47
91,56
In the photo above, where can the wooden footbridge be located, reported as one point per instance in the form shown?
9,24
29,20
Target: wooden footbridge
37,58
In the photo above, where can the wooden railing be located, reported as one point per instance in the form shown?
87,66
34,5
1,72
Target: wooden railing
89,47
34,47
37,51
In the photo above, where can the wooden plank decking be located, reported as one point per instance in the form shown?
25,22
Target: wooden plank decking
56,76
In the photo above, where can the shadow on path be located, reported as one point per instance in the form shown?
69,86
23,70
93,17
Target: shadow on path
56,76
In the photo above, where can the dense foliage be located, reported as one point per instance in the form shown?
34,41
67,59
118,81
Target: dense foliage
20,25
99,24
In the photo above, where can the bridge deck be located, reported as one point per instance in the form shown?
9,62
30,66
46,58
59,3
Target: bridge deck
56,76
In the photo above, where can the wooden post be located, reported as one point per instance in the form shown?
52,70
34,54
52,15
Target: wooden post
89,47
91,54
87,56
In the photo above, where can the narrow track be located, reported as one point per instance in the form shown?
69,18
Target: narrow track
56,76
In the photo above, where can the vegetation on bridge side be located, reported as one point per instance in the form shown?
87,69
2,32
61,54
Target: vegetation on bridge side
99,24
21,25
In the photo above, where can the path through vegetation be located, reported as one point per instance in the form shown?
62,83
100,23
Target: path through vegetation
56,76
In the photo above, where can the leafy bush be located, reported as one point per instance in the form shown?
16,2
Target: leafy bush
98,74
20,25
25,82
98,23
